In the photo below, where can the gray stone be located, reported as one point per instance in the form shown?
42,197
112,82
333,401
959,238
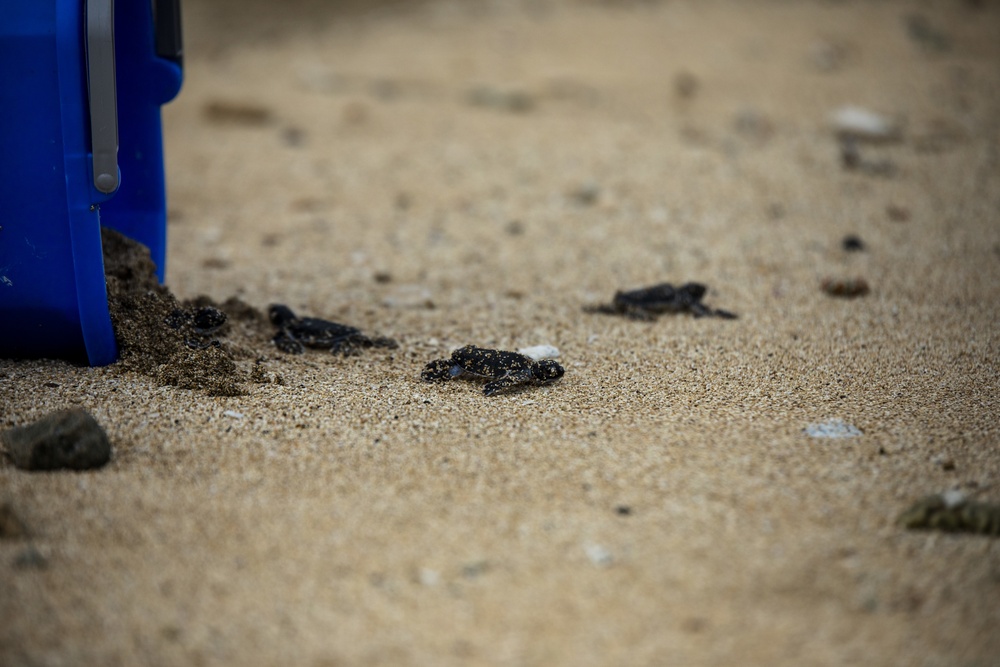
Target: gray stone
63,439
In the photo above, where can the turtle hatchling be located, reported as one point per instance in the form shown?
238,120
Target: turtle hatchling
297,333
504,370
648,303
197,325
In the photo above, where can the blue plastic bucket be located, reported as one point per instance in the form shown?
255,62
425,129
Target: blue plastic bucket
53,301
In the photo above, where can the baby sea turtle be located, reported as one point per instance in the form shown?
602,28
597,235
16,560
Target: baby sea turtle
197,325
295,334
649,302
505,369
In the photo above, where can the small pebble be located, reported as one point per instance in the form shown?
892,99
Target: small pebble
586,194
860,124
215,263
897,213
293,136
923,32
833,428
852,243
233,414
694,624
429,577
475,569
514,228
539,352
850,156
953,497
236,113
847,288
11,526
851,160
63,439
598,555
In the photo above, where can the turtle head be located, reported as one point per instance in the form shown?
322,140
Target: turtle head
280,314
547,371
694,291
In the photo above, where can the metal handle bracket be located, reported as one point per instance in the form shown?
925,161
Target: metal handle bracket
102,93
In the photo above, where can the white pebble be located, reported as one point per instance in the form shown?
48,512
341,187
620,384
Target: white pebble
539,352
598,555
863,125
953,498
233,414
833,428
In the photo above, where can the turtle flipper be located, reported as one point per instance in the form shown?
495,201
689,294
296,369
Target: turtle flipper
438,370
287,344
508,380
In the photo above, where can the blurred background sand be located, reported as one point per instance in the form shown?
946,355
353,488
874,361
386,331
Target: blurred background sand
450,173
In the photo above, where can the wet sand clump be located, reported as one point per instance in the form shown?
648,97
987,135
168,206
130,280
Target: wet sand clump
141,313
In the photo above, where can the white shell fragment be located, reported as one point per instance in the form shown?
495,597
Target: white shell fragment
953,498
539,352
598,554
860,124
833,428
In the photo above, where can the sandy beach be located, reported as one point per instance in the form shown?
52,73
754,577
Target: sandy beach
449,173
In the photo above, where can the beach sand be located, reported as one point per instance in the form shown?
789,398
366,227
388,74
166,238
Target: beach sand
453,173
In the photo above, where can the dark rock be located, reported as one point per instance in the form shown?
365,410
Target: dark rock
62,439
845,287
230,112
852,243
